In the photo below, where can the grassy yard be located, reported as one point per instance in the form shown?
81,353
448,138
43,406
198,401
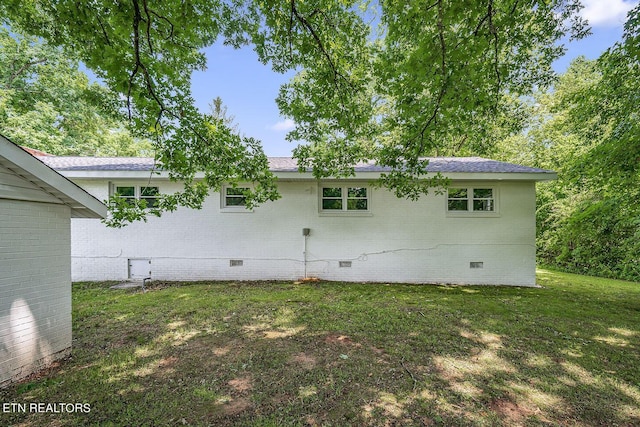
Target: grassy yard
281,354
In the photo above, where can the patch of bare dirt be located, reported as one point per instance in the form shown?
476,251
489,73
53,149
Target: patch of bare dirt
201,346
305,360
512,412
340,339
46,371
236,406
311,421
242,384
167,362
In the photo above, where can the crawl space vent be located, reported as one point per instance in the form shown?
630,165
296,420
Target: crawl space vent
476,264
235,263
345,264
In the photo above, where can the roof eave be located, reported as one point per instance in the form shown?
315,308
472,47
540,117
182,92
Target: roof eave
454,176
306,176
82,204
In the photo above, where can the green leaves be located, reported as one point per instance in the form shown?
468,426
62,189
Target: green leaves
587,130
435,81
47,103
391,82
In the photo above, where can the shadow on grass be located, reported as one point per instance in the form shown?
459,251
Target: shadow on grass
349,354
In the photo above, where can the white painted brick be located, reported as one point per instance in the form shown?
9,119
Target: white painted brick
401,241
35,291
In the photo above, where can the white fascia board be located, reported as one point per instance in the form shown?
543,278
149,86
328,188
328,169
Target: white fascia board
502,176
82,204
107,174
456,176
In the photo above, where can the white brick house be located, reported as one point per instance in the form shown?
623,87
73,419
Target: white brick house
36,204
481,232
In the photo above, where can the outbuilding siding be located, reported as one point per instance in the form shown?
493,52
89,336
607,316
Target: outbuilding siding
35,291
36,207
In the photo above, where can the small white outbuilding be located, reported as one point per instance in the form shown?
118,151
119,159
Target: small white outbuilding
36,207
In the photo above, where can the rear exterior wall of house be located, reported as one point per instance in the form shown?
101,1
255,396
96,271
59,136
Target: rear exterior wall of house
392,240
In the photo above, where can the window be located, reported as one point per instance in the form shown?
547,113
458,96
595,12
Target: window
233,198
345,199
471,200
458,199
357,199
332,199
132,192
150,195
483,199
127,193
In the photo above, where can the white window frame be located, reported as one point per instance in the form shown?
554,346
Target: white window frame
233,208
344,198
470,199
137,191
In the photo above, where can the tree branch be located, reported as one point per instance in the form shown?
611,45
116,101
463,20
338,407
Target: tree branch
171,26
305,23
445,78
23,69
496,60
336,74
139,65
148,22
291,31
104,31
413,377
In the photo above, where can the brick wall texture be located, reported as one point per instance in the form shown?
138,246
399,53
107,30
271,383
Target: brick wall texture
35,286
396,241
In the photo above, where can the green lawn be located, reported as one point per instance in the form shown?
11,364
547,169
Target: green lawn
280,354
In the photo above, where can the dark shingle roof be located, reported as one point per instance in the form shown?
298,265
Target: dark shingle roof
288,164
99,163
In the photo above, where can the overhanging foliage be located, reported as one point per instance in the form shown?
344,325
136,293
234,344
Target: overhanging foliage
387,81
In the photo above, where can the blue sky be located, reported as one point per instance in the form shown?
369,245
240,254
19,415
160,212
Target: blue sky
249,89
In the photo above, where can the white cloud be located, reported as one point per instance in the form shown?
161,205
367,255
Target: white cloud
606,13
283,125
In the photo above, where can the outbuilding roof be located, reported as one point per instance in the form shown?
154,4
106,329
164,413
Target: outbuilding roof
288,164
35,177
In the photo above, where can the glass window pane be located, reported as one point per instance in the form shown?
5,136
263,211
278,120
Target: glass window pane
236,191
458,205
357,192
234,201
151,201
482,193
149,194
126,192
457,193
148,191
332,192
483,205
235,196
331,204
357,204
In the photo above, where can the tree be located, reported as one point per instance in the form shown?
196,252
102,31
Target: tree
602,234
220,111
47,103
587,129
430,72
